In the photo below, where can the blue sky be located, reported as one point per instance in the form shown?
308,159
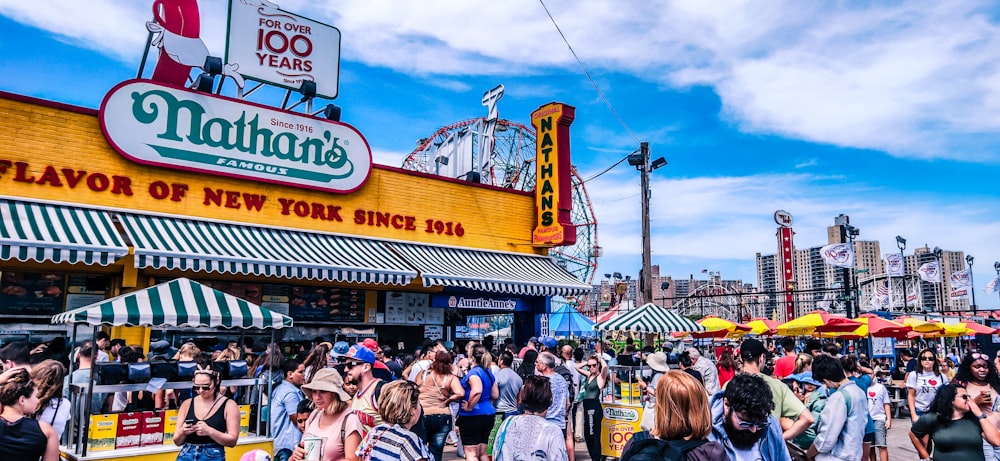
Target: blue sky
886,113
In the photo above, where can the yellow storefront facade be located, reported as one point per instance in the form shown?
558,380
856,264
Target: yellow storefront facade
401,257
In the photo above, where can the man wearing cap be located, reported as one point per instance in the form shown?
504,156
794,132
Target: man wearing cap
284,404
358,365
786,405
709,374
379,369
532,344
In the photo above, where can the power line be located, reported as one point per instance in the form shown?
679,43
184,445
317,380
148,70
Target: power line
587,73
605,170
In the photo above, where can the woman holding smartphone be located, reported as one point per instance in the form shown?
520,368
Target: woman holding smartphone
211,420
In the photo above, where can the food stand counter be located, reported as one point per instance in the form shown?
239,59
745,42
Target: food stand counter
147,435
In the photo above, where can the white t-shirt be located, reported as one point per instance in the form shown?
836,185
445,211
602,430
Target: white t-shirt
415,370
753,454
878,396
926,386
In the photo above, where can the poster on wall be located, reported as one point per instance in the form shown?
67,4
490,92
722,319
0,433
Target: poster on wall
395,307
433,332
416,308
31,293
883,347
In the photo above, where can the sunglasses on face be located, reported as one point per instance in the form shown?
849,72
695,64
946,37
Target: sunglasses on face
747,425
927,359
963,396
201,387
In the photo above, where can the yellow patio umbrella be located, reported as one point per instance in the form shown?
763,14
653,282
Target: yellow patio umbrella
762,327
717,327
921,326
817,321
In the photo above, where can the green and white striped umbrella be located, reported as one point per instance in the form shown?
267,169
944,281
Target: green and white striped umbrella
180,302
650,319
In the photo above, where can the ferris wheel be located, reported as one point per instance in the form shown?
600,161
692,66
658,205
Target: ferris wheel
457,151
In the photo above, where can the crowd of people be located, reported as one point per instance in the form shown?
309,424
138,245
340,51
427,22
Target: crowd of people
803,401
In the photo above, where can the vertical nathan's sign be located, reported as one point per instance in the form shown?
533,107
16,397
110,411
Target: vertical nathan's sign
553,187
277,47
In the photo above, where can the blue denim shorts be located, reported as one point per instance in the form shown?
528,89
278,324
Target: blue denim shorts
205,452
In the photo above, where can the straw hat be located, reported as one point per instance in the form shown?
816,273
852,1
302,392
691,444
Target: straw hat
658,362
327,379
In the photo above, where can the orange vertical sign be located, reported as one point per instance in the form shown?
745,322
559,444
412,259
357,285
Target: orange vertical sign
553,182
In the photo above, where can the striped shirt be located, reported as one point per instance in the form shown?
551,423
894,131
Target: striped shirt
391,443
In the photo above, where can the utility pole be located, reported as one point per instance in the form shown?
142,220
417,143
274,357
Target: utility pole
641,162
647,264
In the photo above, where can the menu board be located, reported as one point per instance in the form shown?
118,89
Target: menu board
275,298
245,291
411,308
32,293
326,304
84,290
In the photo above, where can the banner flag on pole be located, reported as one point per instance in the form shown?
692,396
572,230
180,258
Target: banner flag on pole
930,272
992,286
838,254
893,265
960,279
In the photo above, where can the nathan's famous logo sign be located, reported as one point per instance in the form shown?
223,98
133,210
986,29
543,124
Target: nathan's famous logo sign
182,129
553,187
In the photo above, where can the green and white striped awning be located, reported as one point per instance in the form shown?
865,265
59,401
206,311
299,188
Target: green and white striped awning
180,303
185,244
44,232
513,273
650,319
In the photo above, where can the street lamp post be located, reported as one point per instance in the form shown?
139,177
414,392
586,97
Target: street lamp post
901,244
850,232
663,291
972,282
937,256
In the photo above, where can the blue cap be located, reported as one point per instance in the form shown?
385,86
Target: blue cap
340,349
548,341
362,354
805,377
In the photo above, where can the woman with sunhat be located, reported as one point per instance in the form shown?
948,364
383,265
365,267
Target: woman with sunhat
332,420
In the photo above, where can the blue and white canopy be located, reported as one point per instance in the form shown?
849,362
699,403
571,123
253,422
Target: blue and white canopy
565,320
180,303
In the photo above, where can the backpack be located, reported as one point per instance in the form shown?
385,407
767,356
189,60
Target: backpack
645,447
568,376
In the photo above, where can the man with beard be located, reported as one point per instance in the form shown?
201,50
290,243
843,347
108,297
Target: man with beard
742,421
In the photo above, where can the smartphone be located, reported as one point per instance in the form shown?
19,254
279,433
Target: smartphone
190,422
